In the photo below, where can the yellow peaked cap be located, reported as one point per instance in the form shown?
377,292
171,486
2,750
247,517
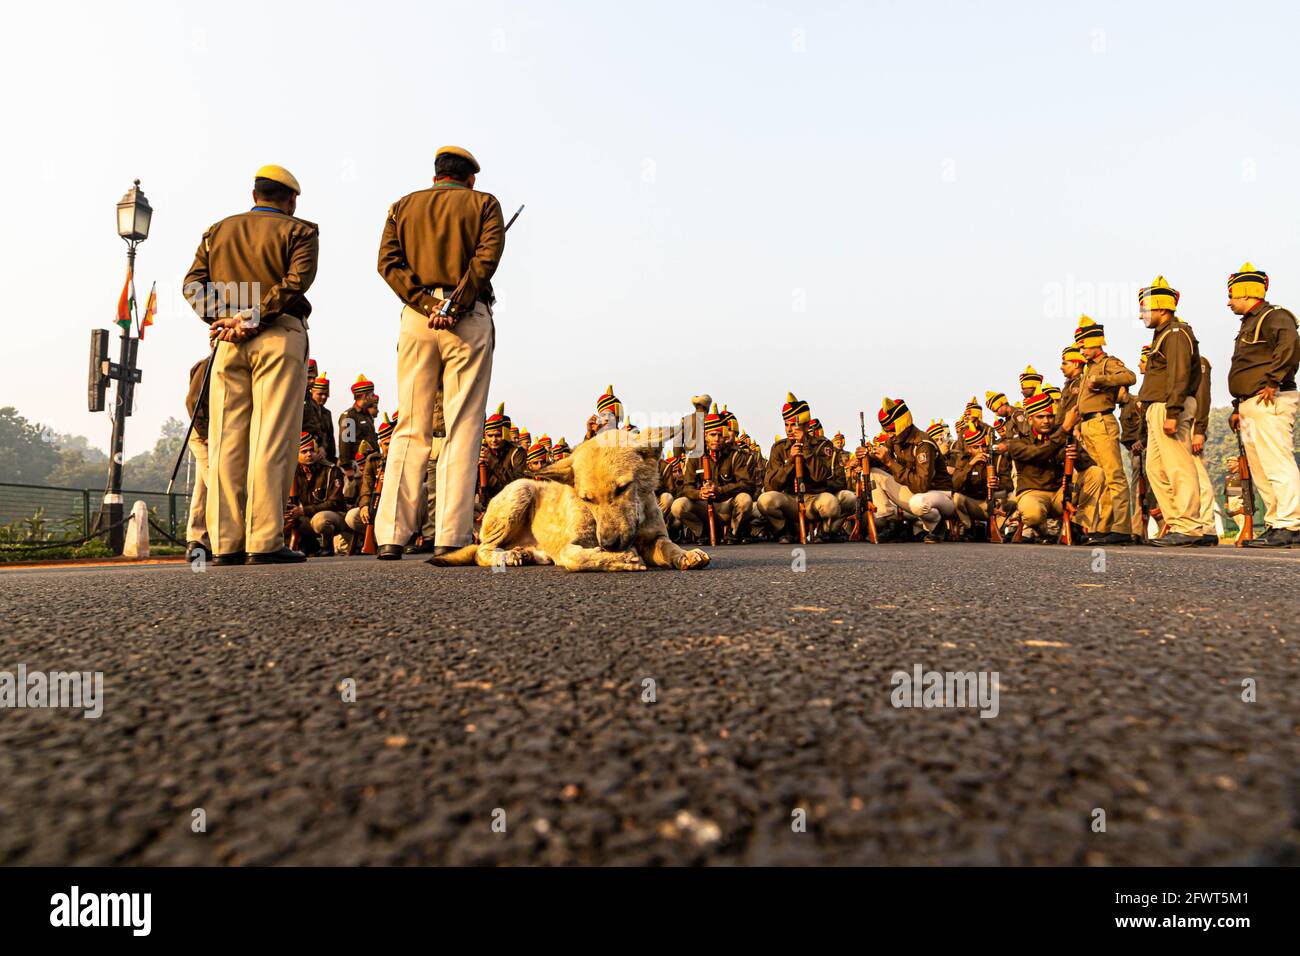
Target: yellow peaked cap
460,151
278,174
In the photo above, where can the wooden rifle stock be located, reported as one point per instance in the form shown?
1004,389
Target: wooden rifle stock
863,478
371,546
707,463
1247,532
990,475
798,492
1067,507
291,534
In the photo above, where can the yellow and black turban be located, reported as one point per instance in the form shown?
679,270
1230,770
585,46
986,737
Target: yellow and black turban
1248,283
1089,333
1158,295
1041,402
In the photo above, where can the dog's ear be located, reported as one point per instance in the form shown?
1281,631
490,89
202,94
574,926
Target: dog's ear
650,441
560,471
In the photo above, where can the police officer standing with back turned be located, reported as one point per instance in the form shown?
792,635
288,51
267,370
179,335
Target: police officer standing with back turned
439,251
249,282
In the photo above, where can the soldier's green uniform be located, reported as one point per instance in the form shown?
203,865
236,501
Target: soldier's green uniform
508,464
355,426
322,507
363,512
735,484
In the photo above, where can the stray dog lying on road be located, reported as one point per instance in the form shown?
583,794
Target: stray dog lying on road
593,511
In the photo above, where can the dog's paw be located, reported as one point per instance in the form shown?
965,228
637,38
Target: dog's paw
509,559
630,560
694,560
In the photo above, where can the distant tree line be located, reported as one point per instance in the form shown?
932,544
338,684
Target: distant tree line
33,454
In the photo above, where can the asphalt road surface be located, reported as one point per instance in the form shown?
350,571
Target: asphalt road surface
518,698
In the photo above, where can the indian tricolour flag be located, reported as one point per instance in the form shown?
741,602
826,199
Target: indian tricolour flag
150,307
126,302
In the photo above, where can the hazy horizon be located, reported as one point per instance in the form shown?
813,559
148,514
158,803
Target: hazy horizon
842,200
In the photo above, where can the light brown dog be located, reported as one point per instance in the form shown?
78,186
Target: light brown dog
593,511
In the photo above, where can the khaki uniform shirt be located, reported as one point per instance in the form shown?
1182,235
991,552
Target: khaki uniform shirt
371,473
504,466
818,467
196,399
1201,423
972,479
447,236
1173,367
1040,462
1109,372
670,477
257,259
732,471
324,490
362,428
1266,352
917,463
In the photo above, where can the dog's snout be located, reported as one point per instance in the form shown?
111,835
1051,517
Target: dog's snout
612,542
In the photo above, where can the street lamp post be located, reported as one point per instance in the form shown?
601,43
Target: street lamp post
134,215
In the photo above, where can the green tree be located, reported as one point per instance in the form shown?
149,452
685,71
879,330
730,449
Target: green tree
26,457
150,470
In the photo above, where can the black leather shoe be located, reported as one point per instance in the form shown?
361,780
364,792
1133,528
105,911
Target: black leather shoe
1274,538
443,549
423,546
1111,537
1175,539
1208,541
390,552
235,557
197,547
283,556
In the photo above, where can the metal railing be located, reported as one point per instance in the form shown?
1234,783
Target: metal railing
45,513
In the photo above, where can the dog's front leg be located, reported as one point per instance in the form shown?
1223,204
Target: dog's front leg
574,557
662,553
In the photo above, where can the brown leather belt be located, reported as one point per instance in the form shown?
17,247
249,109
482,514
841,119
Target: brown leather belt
1091,415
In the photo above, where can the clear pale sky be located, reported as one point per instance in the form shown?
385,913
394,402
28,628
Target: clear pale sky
842,199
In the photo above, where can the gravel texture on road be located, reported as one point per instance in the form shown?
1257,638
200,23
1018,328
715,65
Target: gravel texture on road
518,697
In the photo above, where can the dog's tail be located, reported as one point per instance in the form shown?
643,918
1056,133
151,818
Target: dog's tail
459,558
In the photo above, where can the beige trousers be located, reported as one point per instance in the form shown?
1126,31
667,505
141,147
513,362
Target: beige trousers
1205,508
1268,433
1035,507
970,509
1171,470
429,512
197,529
1100,439
930,507
255,416
1135,506
732,514
778,508
1088,486
461,358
